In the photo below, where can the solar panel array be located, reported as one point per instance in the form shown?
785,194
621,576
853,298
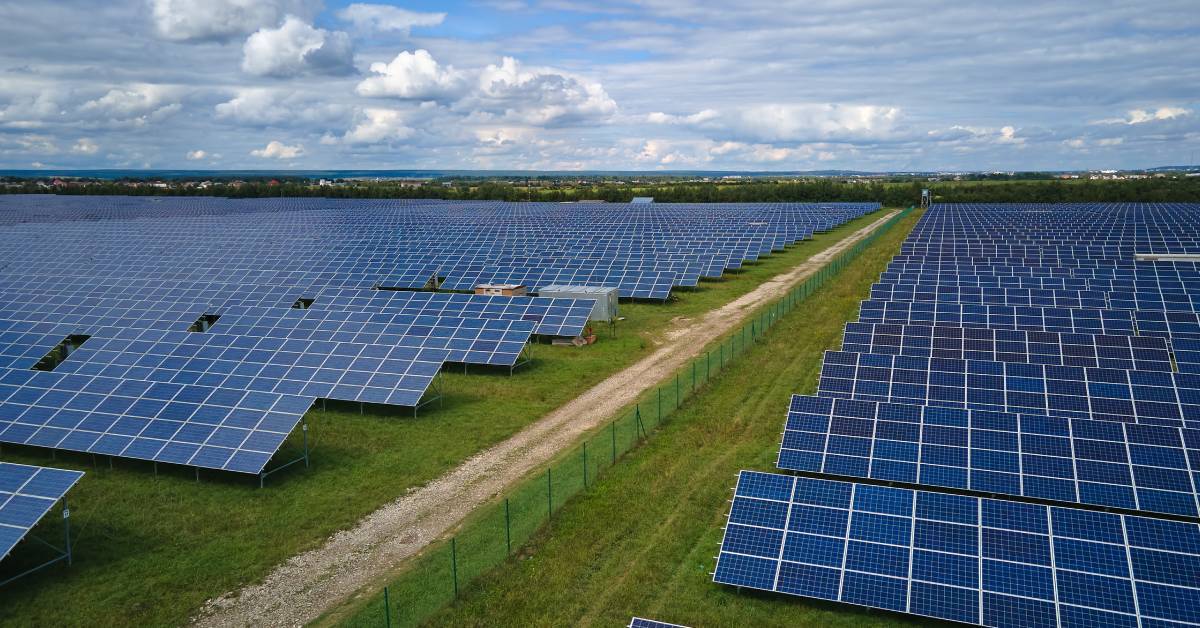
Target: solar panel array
958,557
639,622
27,493
1010,435
199,331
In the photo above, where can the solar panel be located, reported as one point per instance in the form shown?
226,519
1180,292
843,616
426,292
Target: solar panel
638,622
968,559
197,330
1060,320
1003,345
1118,465
27,493
1145,397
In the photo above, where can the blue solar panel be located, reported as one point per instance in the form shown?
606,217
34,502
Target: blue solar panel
638,622
1145,397
198,331
1060,320
1004,345
1118,465
1024,351
955,557
27,493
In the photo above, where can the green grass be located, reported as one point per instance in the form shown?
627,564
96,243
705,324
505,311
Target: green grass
642,540
151,549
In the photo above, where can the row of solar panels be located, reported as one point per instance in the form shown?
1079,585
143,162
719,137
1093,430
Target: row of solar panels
200,331
991,449
644,252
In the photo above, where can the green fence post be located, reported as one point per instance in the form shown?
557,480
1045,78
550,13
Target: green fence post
722,360
707,365
549,496
658,418
507,527
454,564
677,399
585,483
614,442
387,609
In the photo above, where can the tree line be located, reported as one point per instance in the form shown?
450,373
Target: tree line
891,193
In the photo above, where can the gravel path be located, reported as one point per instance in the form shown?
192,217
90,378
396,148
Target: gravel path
311,583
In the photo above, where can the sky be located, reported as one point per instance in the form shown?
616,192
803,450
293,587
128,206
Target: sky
757,85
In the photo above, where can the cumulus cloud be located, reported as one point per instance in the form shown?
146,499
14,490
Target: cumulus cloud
789,123
278,150
378,125
540,96
381,17
296,48
1142,116
699,117
196,155
136,104
260,106
808,122
197,20
507,91
413,76
84,146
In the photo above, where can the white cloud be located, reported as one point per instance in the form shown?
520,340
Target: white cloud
789,123
136,104
84,146
807,122
1008,135
194,20
1142,116
378,125
196,155
539,96
259,106
508,91
414,76
380,17
699,117
278,150
296,48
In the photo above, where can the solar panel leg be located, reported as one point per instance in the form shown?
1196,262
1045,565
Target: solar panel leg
66,515
304,429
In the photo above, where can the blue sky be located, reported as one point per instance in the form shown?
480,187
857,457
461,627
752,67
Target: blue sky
564,84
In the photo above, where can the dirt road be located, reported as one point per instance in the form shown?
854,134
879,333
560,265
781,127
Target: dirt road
307,585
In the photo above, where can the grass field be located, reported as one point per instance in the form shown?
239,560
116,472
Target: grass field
642,540
151,549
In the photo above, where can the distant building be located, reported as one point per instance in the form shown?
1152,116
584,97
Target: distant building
501,289
642,200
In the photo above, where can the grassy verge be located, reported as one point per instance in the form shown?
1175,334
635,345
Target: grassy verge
641,539
151,549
